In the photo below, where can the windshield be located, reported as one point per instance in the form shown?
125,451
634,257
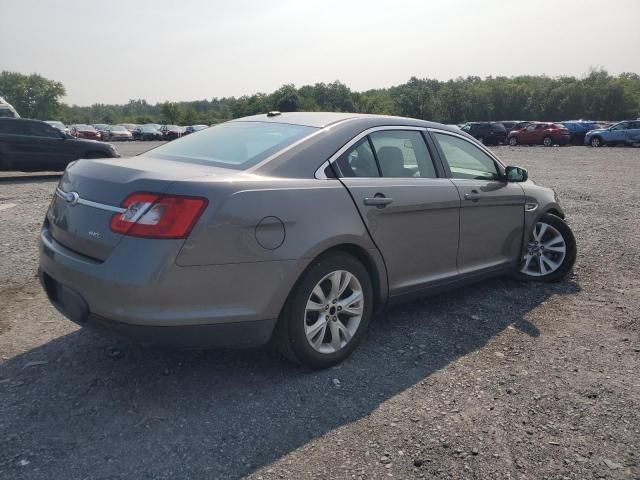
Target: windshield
118,128
236,145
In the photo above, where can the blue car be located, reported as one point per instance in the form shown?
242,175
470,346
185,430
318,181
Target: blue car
578,129
621,133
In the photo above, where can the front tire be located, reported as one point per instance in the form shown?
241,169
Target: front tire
596,142
513,141
327,312
547,141
551,251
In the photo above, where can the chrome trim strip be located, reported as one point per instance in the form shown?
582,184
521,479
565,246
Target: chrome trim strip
88,203
319,174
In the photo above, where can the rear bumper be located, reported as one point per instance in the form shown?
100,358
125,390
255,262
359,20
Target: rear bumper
231,335
139,292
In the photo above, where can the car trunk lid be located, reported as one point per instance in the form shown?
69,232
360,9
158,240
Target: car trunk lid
91,192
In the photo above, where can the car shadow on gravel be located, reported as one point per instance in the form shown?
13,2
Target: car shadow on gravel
99,409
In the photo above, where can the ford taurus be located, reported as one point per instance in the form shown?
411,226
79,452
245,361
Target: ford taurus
293,227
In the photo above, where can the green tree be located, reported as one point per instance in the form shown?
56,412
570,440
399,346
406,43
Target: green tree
33,96
171,112
286,99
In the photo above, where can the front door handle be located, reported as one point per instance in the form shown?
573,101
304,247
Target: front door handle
379,200
473,196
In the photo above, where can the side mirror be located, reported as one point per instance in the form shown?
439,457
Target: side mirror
516,174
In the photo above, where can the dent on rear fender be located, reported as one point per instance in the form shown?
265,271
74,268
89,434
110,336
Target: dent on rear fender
311,217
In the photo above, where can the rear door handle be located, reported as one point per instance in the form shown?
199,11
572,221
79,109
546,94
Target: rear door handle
472,197
379,201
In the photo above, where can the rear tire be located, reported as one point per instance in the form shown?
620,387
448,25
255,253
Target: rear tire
596,142
314,328
551,252
513,141
547,141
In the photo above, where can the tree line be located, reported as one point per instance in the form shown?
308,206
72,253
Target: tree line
597,96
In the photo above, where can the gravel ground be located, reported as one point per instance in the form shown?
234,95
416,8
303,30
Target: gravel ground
498,380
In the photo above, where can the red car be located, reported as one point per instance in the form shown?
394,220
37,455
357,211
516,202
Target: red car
85,131
540,133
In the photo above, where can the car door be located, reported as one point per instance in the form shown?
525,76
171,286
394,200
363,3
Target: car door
618,133
528,135
410,209
492,209
633,132
50,149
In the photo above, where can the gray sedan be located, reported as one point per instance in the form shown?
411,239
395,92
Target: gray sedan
294,227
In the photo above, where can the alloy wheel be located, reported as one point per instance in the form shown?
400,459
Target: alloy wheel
333,311
513,141
546,141
595,142
545,252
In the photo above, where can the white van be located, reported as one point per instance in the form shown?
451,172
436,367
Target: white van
7,110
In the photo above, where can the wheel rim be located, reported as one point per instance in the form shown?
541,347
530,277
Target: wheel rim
595,142
512,141
547,141
333,312
545,252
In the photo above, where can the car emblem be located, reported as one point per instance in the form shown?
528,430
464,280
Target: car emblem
71,198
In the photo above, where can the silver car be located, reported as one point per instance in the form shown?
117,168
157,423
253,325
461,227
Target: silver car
294,227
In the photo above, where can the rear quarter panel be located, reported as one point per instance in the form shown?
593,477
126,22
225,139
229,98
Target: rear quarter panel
314,215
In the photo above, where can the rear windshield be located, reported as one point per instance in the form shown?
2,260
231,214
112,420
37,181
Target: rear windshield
237,145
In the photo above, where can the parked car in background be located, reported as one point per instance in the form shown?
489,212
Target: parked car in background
622,133
231,237
116,132
489,133
147,133
157,126
59,125
101,128
171,132
7,110
540,133
84,131
32,145
131,127
577,130
510,124
194,128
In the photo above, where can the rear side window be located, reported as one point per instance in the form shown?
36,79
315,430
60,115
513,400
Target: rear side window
13,127
403,153
358,161
466,161
237,145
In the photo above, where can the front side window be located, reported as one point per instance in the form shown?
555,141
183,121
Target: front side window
620,126
42,130
358,161
465,160
237,145
403,153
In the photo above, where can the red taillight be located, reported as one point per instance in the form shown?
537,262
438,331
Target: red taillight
158,216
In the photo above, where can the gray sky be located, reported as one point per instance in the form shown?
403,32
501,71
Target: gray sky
109,51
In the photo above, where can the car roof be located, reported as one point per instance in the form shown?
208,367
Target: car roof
325,119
